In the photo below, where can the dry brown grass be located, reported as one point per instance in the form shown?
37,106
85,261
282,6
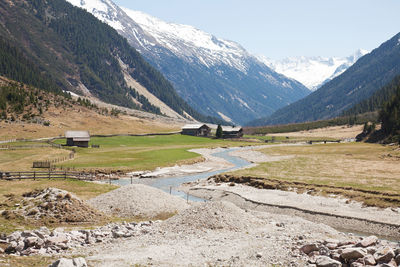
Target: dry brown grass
361,166
335,132
81,118
22,159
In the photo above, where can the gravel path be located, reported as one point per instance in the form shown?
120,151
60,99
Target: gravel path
336,212
138,200
198,237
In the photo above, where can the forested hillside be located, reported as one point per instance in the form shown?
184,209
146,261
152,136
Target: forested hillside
359,82
390,117
69,49
377,100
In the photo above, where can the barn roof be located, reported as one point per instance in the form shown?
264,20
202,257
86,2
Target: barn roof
231,129
193,126
78,135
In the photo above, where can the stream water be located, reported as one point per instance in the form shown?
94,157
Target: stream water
169,184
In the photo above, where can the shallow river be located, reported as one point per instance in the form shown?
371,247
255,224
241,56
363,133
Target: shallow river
171,183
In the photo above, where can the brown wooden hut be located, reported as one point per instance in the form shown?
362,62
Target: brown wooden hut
232,132
196,130
77,138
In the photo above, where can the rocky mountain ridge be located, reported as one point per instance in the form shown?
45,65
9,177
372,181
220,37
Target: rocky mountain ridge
214,76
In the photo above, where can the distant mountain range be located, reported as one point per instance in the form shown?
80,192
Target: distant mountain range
215,76
313,72
370,73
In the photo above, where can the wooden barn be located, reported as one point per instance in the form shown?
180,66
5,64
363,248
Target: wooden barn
232,132
196,130
77,138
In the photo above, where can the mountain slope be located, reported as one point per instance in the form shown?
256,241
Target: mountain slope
377,100
313,72
215,76
359,82
81,54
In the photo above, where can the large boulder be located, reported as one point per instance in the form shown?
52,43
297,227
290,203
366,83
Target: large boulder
368,241
324,261
353,253
308,248
384,255
63,262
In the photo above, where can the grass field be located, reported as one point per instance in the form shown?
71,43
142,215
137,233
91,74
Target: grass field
368,167
140,153
22,159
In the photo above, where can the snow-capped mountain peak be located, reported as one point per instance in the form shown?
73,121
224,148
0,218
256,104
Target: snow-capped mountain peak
313,71
188,42
215,76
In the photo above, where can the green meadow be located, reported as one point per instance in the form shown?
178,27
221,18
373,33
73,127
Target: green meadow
140,152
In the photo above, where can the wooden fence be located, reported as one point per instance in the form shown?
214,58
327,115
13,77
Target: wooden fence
46,175
49,163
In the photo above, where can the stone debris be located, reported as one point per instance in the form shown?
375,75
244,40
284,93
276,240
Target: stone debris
63,262
369,251
53,205
139,201
46,242
211,216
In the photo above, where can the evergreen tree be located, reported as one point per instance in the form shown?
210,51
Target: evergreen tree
219,131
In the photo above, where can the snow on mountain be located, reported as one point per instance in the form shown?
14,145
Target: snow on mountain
193,44
213,75
313,71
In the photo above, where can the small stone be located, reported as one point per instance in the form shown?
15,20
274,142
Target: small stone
324,251
369,260
20,247
357,264
368,241
80,262
345,243
384,255
14,236
259,255
324,261
308,248
31,241
397,259
1,250
371,250
331,246
335,256
63,263
353,253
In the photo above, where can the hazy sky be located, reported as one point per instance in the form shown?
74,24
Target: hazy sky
280,28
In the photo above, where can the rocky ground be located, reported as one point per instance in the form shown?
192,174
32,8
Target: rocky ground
334,211
138,201
51,206
211,233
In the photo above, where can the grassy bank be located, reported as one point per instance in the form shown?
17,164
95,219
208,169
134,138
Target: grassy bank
361,166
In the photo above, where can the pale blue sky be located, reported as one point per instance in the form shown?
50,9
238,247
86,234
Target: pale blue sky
280,28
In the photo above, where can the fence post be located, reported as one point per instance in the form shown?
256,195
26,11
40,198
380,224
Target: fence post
170,190
131,179
20,176
34,175
187,197
49,174
65,175
110,179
